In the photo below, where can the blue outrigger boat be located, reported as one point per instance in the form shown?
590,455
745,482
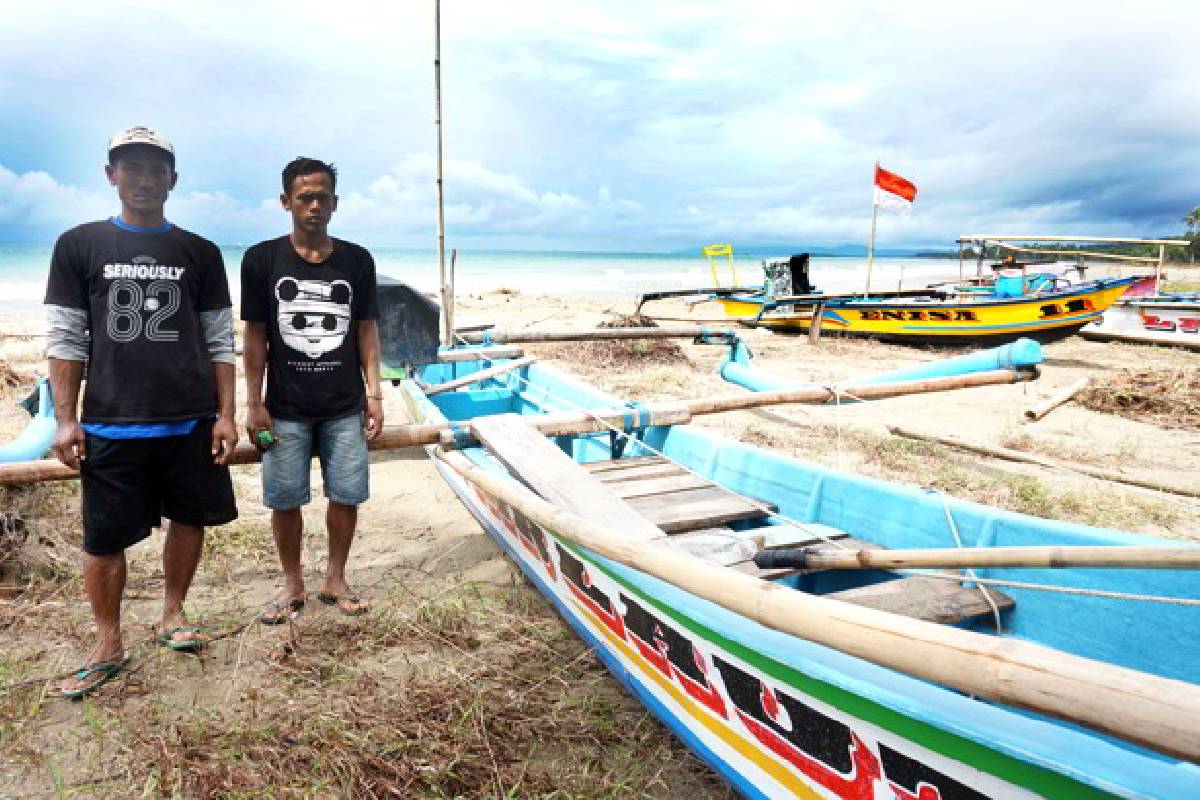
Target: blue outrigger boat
782,716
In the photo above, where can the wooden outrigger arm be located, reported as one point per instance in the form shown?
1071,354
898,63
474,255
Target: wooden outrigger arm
676,412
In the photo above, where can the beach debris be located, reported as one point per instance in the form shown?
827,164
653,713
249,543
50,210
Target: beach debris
1008,454
1039,410
619,353
12,378
1169,398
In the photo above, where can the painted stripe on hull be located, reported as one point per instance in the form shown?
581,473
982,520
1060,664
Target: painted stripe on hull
614,664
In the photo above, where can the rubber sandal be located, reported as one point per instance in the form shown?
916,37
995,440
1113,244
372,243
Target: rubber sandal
107,670
277,613
339,599
167,639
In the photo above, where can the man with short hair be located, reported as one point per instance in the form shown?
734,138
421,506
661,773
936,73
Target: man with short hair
308,301
145,305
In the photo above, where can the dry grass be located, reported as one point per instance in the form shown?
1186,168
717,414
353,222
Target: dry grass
38,537
964,476
479,691
624,353
1169,398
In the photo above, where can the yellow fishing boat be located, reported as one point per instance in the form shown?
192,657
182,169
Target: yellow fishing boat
928,316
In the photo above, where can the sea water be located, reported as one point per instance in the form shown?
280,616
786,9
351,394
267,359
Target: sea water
23,269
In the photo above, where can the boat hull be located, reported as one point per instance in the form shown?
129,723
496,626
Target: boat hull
964,321
776,716
719,699
1164,321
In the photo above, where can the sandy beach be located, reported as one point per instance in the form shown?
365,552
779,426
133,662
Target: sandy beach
451,615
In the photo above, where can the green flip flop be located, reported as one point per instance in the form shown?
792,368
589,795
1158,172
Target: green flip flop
107,670
167,639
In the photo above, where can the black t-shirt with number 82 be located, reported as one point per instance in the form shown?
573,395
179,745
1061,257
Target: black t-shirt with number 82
148,360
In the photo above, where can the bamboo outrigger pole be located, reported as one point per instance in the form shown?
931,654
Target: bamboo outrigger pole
1159,713
675,412
1036,557
589,334
447,325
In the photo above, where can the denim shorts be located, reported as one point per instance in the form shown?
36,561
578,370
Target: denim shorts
341,444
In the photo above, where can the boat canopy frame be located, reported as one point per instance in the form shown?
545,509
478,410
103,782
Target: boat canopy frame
1004,240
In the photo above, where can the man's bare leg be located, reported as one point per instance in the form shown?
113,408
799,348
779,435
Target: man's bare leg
181,555
340,521
287,526
104,581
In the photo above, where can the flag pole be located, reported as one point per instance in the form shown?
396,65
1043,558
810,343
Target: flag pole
1158,269
871,238
443,286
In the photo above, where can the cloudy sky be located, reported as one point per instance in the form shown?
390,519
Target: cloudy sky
614,125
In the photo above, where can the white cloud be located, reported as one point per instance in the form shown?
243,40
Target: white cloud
761,117
37,201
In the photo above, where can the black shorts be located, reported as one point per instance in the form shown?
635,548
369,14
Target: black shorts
128,485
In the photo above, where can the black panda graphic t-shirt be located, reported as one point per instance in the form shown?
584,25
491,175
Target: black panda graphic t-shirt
311,311
143,294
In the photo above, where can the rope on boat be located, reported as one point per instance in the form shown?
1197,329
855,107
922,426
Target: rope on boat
838,393
969,572
1147,598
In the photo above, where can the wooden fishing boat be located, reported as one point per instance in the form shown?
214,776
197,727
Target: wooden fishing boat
1143,314
1171,319
818,682
937,317
1002,309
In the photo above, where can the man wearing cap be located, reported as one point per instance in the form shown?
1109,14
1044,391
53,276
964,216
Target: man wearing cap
308,301
145,305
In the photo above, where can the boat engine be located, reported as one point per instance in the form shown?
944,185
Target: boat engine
788,276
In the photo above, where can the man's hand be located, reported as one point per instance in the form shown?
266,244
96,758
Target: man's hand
257,419
374,425
68,443
224,439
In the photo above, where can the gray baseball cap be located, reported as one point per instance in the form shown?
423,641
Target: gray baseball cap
141,135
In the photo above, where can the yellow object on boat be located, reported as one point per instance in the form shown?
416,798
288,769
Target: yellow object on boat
713,252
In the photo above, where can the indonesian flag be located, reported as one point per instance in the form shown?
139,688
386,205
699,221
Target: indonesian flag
894,192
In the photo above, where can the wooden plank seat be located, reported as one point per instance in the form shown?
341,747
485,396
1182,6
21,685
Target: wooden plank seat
623,463
692,509
657,485
641,473
930,599
671,497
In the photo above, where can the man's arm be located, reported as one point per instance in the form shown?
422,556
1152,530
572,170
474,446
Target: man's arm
254,362
65,379
66,354
368,357
225,436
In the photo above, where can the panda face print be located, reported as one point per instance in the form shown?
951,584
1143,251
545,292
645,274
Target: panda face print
314,316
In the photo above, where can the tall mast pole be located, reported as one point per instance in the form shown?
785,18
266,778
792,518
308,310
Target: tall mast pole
1158,269
447,332
874,217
